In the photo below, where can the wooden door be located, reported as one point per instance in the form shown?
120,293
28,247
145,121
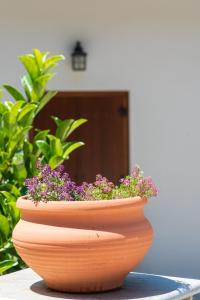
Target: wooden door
105,134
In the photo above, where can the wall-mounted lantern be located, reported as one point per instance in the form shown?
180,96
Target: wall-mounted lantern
79,57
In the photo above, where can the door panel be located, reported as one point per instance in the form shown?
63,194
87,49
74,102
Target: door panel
105,134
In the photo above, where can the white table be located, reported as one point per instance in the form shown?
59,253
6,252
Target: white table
26,285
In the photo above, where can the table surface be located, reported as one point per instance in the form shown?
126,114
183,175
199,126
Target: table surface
27,285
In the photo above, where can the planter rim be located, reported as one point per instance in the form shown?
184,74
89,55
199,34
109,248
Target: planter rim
26,204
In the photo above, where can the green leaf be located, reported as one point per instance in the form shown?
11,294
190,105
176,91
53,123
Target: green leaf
10,188
41,135
30,65
11,212
44,147
57,120
2,136
56,147
51,62
26,114
4,226
14,213
27,149
3,108
9,123
7,264
45,99
14,92
75,125
22,133
19,172
18,139
42,80
38,58
64,128
8,104
18,158
15,110
71,146
4,208
55,161
29,88
9,197
6,246
44,56
1,94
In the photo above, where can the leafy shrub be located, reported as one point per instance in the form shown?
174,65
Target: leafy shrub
56,185
18,155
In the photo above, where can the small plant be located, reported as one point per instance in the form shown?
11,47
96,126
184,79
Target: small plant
56,185
18,155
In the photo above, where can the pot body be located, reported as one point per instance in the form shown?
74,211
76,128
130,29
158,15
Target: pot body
84,246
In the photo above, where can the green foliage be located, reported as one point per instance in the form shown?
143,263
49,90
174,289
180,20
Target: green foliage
9,216
18,155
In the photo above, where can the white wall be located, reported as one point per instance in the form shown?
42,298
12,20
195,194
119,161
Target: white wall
152,49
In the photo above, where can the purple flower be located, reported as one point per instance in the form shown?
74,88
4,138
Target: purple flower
45,170
125,181
32,184
136,172
65,176
39,165
69,185
52,185
65,196
103,183
60,169
80,189
146,187
44,193
99,177
56,185
107,189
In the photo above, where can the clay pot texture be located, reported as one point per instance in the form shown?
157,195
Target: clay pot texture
83,246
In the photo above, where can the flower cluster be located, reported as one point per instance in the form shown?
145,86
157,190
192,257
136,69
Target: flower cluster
53,185
146,187
56,185
101,189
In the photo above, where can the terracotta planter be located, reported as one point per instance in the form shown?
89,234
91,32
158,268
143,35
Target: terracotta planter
83,246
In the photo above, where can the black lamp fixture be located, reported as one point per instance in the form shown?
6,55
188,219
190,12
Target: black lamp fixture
78,58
